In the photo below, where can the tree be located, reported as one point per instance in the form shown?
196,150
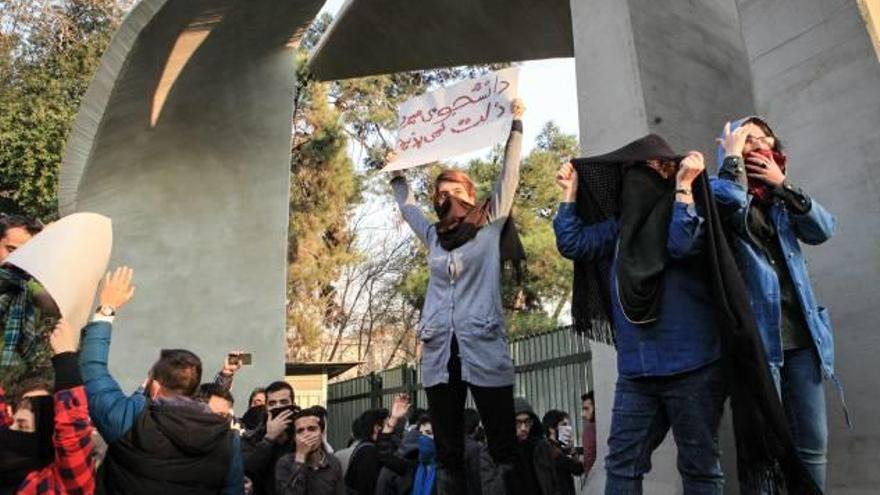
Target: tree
49,51
349,290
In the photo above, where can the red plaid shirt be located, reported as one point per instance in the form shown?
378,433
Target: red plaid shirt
73,471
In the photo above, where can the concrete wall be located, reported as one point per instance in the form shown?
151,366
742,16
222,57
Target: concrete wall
817,79
674,68
200,201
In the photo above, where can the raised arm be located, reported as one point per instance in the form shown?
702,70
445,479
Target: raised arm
686,226
504,191
111,410
406,202
575,239
74,466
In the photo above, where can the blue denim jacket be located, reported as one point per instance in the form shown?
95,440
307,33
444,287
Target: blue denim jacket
685,336
114,413
814,227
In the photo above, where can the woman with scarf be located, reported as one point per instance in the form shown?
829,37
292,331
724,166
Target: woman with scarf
56,457
462,331
767,215
668,343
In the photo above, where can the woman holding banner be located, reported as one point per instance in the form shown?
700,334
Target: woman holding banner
462,330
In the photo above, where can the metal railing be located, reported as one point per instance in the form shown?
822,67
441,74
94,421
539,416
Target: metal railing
552,371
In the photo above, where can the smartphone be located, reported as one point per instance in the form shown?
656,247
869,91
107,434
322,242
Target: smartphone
278,410
243,358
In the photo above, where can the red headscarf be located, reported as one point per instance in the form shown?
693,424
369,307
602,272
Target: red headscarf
758,188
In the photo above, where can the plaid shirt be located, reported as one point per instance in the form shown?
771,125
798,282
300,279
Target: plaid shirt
73,471
18,317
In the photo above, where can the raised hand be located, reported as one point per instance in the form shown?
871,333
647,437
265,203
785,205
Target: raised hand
690,168
764,169
231,363
276,427
567,179
517,108
116,289
401,406
733,142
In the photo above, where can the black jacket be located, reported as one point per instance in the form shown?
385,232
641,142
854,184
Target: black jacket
170,450
260,456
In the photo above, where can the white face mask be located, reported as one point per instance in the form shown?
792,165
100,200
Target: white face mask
564,433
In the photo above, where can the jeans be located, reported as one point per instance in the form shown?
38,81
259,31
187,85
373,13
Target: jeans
646,408
799,382
446,409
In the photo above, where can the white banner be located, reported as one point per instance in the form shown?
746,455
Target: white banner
464,117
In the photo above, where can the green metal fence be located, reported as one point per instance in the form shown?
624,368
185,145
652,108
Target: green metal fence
552,371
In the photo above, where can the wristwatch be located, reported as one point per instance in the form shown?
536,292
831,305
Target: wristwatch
106,310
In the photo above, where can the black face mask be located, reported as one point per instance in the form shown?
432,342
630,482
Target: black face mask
254,417
459,222
22,453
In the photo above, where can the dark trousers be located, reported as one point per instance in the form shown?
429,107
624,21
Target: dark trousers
645,409
446,408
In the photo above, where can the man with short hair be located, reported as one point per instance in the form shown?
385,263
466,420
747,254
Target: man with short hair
161,441
537,475
310,469
16,230
263,446
588,440
218,398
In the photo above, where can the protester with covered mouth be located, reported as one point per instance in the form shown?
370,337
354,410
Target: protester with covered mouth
51,451
462,330
767,217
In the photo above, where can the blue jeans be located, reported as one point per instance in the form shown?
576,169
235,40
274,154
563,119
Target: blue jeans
799,382
646,408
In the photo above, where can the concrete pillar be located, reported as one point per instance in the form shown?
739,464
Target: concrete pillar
674,68
198,192
817,80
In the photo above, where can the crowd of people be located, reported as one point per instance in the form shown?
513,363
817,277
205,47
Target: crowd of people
700,284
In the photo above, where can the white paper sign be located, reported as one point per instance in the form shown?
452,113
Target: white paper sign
464,117
69,258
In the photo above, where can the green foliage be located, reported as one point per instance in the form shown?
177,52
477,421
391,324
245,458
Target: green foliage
45,75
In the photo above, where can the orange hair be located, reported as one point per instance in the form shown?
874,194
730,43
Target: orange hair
450,175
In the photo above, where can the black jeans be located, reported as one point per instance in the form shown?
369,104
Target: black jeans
446,408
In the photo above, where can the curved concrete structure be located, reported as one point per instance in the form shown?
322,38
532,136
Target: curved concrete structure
183,139
682,69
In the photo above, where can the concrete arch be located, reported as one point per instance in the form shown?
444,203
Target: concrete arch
183,139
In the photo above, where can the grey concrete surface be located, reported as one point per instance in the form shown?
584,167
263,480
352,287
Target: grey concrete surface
393,35
200,201
674,68
817,80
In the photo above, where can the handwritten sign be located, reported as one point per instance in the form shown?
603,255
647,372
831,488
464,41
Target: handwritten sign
464,117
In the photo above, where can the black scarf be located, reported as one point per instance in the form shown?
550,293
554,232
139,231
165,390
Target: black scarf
766,455
460,221
645,210
601,180
22,453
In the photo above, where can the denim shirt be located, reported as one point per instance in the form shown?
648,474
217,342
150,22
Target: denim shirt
813,227
684,337
464,289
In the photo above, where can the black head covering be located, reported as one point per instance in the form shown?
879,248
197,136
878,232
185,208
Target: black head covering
766,455
21,452
600,197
